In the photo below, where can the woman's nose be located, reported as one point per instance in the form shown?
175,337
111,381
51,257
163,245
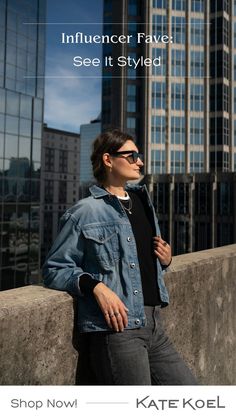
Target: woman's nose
140,162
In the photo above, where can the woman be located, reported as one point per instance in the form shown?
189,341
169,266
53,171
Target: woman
110,254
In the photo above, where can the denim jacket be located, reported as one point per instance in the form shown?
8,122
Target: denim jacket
96,238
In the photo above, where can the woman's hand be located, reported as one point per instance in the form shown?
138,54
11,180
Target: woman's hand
162,250
115,312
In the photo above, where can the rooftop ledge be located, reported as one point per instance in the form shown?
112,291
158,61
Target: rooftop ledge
39,342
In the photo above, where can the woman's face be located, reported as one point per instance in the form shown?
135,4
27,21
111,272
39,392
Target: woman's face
122,165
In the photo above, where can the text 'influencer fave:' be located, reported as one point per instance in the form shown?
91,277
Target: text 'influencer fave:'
140,37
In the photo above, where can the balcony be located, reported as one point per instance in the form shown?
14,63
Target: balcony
39,341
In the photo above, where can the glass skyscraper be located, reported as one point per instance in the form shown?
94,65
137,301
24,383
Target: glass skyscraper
22,50
183,111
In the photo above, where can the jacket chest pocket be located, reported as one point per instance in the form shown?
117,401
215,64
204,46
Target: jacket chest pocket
102,243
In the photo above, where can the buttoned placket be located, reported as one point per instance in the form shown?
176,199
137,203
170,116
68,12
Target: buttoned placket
132,264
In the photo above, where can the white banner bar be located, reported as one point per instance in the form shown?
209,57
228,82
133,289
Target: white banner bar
111,402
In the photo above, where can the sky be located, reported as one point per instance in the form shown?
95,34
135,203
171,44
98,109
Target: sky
72,95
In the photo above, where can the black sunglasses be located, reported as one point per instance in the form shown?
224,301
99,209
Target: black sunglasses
132,158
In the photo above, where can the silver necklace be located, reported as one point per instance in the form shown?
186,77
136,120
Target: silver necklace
129,208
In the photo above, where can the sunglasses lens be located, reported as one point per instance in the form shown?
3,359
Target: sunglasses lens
137,156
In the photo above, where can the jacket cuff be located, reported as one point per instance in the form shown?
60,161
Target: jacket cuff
87,283
166,266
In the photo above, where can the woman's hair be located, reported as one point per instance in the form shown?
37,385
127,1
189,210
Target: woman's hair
107,142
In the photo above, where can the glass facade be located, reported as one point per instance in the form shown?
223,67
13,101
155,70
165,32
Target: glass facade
187,100
158,129
177,161
158,158
21,117
178,130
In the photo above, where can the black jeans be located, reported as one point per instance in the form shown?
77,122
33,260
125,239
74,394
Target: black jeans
143,356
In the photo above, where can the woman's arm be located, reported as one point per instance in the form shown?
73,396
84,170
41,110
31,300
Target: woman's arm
62,268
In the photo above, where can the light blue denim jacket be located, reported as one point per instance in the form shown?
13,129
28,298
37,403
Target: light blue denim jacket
96,238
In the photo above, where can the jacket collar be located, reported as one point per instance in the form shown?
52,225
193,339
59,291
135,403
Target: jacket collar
98,192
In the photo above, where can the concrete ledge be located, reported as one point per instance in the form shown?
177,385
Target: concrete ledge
201,317
37,335
38,343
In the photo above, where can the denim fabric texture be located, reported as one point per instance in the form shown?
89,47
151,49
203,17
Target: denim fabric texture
96,238
142,356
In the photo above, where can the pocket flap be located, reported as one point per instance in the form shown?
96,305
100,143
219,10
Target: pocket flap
99,234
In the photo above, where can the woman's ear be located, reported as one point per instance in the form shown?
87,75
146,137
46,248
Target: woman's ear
107,160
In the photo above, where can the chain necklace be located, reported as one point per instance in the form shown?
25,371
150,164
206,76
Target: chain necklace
129,200
125,199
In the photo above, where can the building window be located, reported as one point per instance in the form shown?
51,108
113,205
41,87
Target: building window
131,106
178,62
159,4
197,131
219,161
131,123
158,129
197,97
131,71
178,4
177,161
216,102
197,64
203,198
181,198
224,198
63,161
220,5
49,159
197,6
158,161
181,237
159,24
196,161
177,130
178,29
133,7
219,31
197,31
132,30
48,191
159,70
158,95
178,96
219,64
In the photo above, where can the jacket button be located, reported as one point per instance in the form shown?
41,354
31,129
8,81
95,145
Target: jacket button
137,321
132,265
135,292
100,237
129,239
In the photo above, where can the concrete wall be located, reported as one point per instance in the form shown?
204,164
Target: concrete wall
39,343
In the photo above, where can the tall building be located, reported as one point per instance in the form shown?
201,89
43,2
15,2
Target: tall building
59,180
181,112
22,53
195,211
88,133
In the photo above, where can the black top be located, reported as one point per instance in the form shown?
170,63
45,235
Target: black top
144,231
